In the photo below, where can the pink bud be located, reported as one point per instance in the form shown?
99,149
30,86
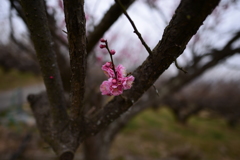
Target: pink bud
114,81
108,64
102,46
112,52
51,77
103,40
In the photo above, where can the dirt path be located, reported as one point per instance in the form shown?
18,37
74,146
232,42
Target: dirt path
18,96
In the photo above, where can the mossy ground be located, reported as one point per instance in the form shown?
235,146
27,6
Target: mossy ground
151,135
14,79
154,134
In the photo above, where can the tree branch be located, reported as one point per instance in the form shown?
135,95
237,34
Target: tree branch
134,27
188,17
52,118
61,139
107,21
178,67
35,14
171,86
75,21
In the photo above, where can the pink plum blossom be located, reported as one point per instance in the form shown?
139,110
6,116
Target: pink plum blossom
111,87
116,88
127,82
121,72
114,81
107,69
118,81
103,40
102,46
105,88
112,51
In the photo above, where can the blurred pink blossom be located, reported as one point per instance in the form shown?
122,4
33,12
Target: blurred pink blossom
116,88
108,71
105,88
103,40
117,81
115,85
127,82
102,46
111,87
112,51
121,71
60,4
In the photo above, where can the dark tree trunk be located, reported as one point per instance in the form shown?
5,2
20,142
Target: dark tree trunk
96,147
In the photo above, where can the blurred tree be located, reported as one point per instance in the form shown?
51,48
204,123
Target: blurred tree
86,120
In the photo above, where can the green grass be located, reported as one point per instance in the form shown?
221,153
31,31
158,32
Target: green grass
155,134
13,79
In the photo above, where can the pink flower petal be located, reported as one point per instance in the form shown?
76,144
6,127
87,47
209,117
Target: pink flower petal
107,69
121,72
127,82
105,88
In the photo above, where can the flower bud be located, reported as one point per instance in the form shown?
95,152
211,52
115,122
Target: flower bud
102,46
114,81
108,64
112,52
103,40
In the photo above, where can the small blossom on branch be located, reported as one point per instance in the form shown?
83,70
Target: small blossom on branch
103,40
102,46
127,82
118,79
107,69
112,52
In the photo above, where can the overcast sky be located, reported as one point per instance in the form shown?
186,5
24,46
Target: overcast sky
151,25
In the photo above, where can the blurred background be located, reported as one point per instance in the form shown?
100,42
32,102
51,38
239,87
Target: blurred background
184,116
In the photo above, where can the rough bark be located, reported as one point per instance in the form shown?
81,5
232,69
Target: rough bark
37,21
174,85
188,17
97,147
62,59
171,86
63,139
51,115
76,22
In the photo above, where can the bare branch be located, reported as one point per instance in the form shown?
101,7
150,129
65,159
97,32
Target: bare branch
178,67
159,10
35,14
107,21
171,86
236,36
134,27
156,90
75,20
62,139
188,17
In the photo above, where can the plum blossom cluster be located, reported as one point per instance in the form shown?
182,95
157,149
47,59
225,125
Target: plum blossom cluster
116,83
118,80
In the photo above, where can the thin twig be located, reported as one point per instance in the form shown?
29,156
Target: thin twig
180,68
134,27
156,90
64,31
111,59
